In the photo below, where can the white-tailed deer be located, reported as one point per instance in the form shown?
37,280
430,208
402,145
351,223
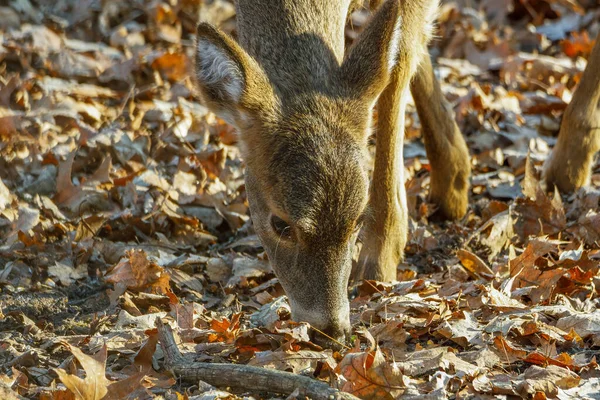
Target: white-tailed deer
303,106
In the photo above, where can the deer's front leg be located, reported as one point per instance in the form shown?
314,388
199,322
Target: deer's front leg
384,236
570,164
446,148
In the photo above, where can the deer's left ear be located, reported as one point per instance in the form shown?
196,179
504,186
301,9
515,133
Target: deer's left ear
374,55
231,83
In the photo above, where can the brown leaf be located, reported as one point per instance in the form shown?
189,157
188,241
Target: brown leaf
6,197
184,315
501,233
474,265
69,64
534,250
56,394
89,227
587,228
536,213
562,360
461,331
139,273
143,359
95,385
369,376
300,361
585,324
547,380
65,189
27,220
124,388
507,352
173,66
226,329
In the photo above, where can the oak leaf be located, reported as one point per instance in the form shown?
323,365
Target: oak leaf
138,273
369,376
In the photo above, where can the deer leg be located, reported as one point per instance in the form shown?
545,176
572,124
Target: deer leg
570,164
384,236
446,148
385,233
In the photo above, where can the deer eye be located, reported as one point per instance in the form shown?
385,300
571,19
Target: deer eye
359,224
358,227
281,228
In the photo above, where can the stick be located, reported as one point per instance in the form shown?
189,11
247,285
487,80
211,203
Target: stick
245,377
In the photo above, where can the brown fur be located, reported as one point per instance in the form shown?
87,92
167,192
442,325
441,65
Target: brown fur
303,106
570,164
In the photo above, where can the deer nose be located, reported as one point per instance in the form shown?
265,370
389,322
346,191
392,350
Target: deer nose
328,330
333,336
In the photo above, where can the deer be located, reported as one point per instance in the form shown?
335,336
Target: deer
569,166
303,105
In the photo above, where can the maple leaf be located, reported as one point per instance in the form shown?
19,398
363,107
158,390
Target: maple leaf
527,272
95,385
226,330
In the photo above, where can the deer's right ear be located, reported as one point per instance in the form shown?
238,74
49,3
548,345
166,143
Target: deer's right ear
370,61
231,83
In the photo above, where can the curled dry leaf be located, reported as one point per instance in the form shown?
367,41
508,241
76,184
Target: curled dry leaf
369,376
536,213
474,265
139,273
546,380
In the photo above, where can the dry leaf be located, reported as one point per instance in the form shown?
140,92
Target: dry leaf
95,386
369,376
139,273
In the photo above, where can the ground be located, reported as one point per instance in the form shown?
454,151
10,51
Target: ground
122,200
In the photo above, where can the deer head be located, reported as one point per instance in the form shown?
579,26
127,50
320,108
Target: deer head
304,127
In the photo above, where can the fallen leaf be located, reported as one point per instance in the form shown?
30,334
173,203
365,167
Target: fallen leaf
536,214
95,385
474,265
369,376
547,380
138,273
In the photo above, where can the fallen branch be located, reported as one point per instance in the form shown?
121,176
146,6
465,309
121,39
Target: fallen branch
244,377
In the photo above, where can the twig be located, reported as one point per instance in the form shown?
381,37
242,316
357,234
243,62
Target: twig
245,377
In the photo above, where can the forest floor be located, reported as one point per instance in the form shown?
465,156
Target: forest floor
122,200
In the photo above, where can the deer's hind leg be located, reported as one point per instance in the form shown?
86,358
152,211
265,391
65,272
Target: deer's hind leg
570,164
446,148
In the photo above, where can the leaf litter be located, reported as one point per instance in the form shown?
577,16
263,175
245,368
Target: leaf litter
122,199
